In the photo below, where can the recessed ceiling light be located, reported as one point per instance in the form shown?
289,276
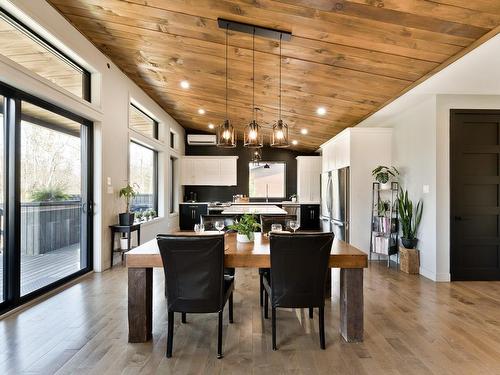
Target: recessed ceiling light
185,84
201,111
303,131
321,111
211,126
295,142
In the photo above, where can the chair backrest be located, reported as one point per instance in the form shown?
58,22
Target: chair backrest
267,220
209,221
194,272
299,266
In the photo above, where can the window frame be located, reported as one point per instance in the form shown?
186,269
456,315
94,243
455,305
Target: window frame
156,123
284,178
155,171
173,182
23,28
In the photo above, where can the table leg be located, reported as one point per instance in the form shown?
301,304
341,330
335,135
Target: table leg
351,304
112,247
139,236
140,304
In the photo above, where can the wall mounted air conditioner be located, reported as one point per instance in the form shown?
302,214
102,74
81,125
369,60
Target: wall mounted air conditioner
202,139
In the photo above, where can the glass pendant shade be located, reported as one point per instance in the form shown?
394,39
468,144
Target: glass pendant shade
279,136
256,156
226,136
253,136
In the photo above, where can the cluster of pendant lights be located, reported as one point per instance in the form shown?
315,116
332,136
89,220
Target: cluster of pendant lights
253,135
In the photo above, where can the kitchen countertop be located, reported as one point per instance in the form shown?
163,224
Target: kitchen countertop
260,209
290,203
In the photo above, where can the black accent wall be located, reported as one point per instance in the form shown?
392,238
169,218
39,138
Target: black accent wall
225,193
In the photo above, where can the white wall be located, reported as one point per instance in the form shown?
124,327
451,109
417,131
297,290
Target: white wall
112,92
413,153
421,122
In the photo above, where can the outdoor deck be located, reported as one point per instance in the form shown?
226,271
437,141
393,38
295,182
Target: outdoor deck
40,270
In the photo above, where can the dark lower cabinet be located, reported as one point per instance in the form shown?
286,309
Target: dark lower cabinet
309,216
190,215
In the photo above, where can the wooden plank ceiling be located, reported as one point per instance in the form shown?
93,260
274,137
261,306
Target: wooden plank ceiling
350,57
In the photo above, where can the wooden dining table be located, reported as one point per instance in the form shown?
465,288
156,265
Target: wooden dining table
141,260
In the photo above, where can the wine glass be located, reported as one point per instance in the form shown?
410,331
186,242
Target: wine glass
219,225
202,227
294,225
197,228
276,228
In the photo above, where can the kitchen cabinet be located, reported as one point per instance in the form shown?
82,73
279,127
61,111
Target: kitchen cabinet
308,178
209,170
309,216
189,215
361,149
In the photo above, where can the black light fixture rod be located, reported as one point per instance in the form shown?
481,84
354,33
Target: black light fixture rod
253,75
226,67
264,32
280,83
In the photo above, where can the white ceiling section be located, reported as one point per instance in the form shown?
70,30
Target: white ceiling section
476,73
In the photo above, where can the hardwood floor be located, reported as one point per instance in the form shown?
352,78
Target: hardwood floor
412,326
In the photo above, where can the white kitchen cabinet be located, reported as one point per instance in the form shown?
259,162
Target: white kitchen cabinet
308,178
209,170
361,149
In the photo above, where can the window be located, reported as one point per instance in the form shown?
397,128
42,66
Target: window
172,140
142,123
143,176
267,180
173,185
23,46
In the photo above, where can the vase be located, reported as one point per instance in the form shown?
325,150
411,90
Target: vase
126,219
409,243
124,243
244,238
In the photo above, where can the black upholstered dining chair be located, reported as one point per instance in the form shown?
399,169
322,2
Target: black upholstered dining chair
195,279
299,266
265,224
209,221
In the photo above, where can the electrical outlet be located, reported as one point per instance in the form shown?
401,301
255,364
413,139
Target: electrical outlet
425,189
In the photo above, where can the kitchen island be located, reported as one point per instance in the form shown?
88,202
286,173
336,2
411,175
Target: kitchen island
236,209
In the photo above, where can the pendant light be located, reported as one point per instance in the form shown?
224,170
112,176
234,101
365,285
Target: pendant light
279,136
256,156
253,137
226,137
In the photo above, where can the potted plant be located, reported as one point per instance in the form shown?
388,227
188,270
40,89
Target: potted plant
384,175
128,193
152,214
293,197
147,215
138,216
409,219
245,226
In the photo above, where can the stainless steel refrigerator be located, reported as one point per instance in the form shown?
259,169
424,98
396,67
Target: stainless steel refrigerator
335,203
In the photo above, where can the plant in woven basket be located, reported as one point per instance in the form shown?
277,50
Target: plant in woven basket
383,173
409,217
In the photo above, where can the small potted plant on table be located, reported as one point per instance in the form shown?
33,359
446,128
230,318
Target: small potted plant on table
410,218
128,193
245,228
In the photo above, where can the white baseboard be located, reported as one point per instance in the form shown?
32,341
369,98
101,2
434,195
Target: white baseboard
437,277
428,274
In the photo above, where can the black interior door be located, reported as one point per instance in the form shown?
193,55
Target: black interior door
474,188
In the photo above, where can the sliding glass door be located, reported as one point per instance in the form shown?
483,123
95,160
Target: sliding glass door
46,208
2,201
